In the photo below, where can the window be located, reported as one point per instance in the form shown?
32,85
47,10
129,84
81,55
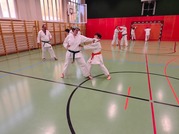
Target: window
148,7
77,12
83,13
51,10
7,9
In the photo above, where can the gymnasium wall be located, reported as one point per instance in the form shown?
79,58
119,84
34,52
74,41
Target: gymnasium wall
128,8
21,35
106,26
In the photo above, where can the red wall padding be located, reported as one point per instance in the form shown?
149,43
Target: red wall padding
106,26
154,34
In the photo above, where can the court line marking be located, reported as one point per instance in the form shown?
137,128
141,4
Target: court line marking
161,54
151,97
99,90
24,68
127,99
37,78
38,49
68,108
20,56
121,50
77,86
141,63
169,83
61,46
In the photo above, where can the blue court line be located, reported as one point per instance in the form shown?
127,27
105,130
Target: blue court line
120,61
22,69
151,64
17,56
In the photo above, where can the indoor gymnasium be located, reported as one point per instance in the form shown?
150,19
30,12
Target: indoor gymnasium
89,67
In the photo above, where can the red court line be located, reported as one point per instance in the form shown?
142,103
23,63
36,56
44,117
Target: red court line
127,99
169,83
148,75
150,92
153,117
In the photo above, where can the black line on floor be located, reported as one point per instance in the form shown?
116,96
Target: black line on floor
27,76
102,91
68,108
112,93
95,89
167,104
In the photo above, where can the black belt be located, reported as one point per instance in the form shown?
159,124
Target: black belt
45,42
124,34
74,52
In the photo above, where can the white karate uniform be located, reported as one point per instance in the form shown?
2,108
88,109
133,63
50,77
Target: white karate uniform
147,34
79,32
45,43
124,36
133,37
71,32
97,57
115,37
74,42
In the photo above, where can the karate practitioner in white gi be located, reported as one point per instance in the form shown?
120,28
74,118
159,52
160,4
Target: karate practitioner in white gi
96,56
124,36
147,34
44,37
72,44
133,37
115,36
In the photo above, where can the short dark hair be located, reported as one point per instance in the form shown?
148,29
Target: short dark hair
43,25
67,30
99,35
75,28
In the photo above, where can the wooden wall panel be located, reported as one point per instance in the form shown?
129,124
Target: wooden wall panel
17,36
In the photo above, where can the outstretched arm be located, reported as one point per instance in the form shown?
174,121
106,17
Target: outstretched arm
91,46
86,39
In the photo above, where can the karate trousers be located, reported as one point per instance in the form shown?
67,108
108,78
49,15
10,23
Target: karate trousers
50,50
80,61
124,40
115,39
101,65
